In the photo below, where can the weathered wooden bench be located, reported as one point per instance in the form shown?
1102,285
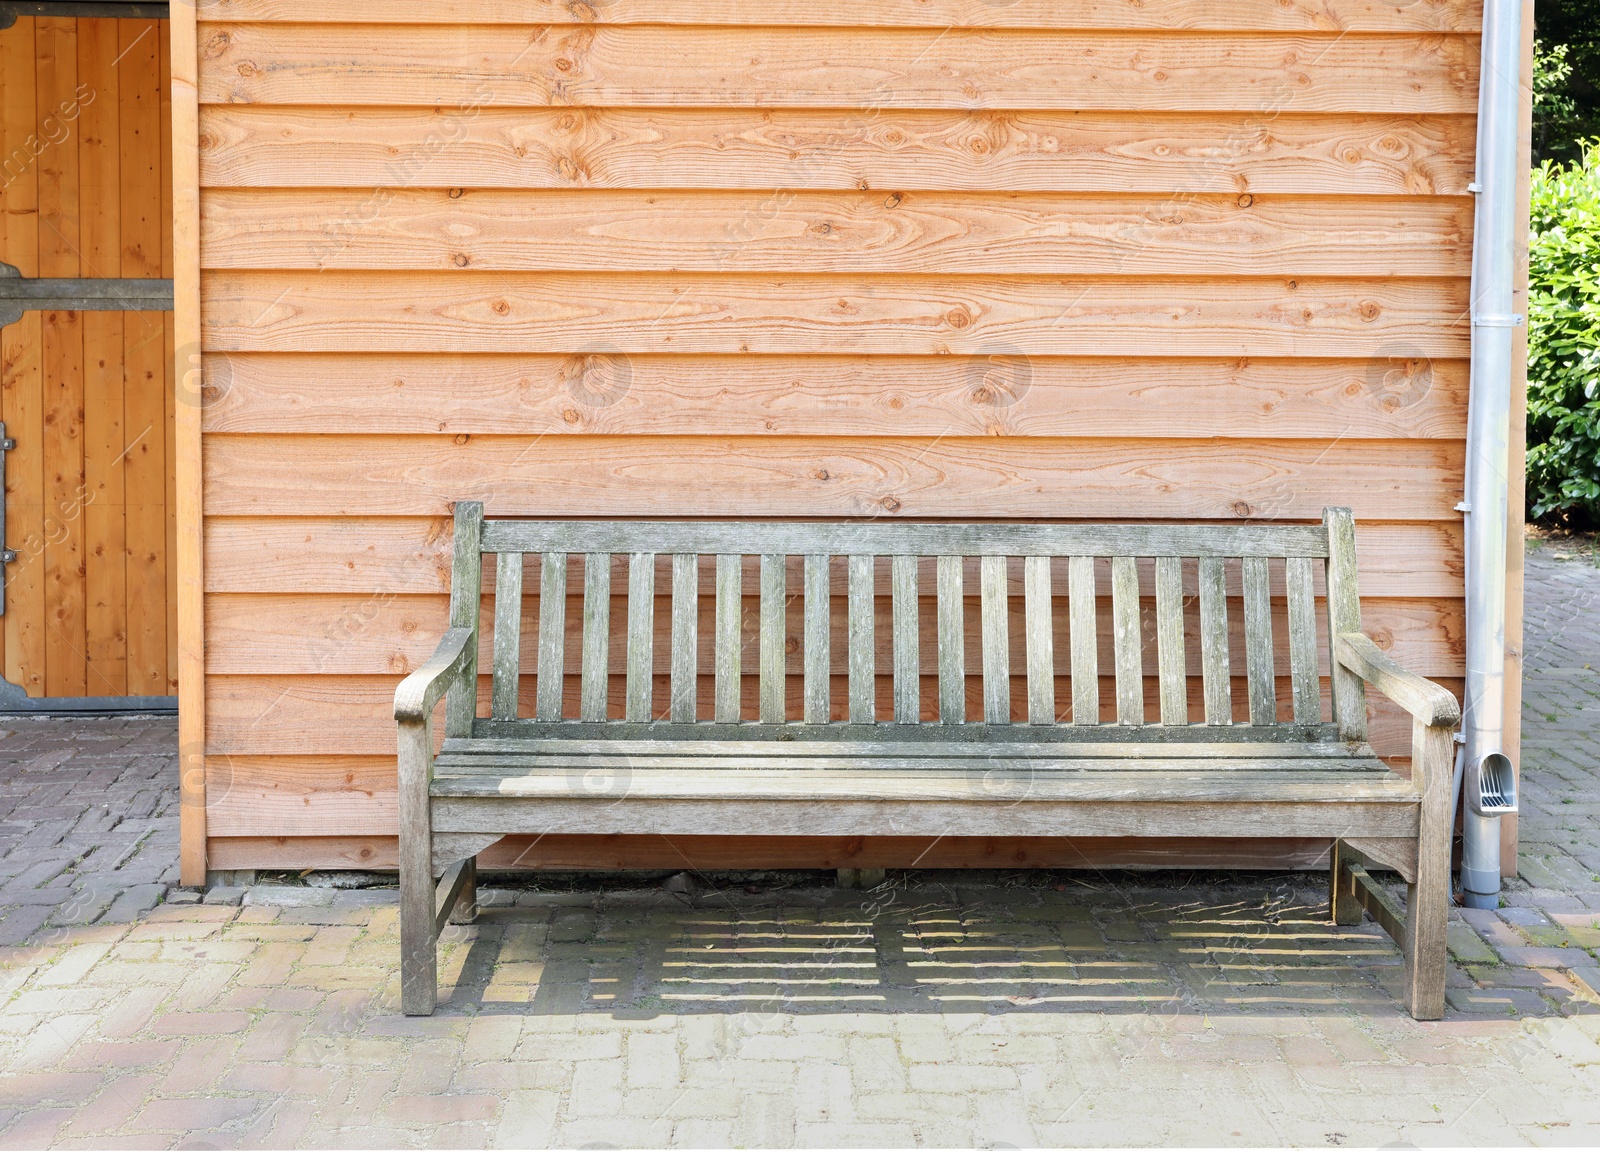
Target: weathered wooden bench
1034,766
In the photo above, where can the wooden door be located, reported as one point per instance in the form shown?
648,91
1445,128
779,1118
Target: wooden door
87,395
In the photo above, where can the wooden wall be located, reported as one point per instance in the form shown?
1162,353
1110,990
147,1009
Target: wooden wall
1204,259
85,191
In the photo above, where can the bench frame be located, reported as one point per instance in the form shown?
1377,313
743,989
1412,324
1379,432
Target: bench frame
441,833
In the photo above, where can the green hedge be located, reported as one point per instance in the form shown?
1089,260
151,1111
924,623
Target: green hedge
1564,343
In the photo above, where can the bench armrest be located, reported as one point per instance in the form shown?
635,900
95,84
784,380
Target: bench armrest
1427,702
417,694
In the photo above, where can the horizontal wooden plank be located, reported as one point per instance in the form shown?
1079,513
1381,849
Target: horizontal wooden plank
273,795
663,66
354,715
694,477
751,537
383,556
369,846
1383,397
1240,15
844,233
1287,151
374,634
573,312
828,781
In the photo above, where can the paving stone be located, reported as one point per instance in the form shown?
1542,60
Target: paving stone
992,1010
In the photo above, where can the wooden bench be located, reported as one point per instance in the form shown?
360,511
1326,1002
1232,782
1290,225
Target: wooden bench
794,763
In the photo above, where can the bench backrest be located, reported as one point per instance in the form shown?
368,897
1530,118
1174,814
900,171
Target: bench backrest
863,550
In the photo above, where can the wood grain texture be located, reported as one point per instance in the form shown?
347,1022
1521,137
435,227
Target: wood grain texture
732,291
986,232
1243,15
387,555
980,477
663,66
1291,151
734,314
997,392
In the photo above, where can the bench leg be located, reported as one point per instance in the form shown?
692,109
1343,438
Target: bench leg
1428,899
1343,906
419,960
466,909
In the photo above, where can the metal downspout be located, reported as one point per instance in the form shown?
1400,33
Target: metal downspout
1488,787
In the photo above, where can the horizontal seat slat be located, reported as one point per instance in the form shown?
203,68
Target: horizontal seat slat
775,782
1035,743
907,539
974,815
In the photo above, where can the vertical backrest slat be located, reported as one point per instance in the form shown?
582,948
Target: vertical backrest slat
774,605
1127,640
1171,668
1085,641
1214,667
1259,668
466,588
1344,615
685,637
507,635
1037,624
996,640
552,635
903,595
1298,574
595,671
729,638
641,636
952,640
863,657
817,698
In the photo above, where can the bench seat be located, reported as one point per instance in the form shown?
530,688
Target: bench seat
1161,761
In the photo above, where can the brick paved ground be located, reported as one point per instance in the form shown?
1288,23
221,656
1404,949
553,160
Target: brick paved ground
968,1011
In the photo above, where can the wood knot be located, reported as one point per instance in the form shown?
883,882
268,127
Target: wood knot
1241,509
890,504
1246,200
501,308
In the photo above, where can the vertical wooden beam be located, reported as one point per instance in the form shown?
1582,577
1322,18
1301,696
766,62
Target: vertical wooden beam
816,702
1084,640
147,381
639,692
1259,670
507,635
169,387
60,248
1171,664
774,638
552,635
1038,616
726,651
1127,640
21,367
594,670
903,615
1344,614
685,645
186,438
994,616
1215,669
104,441
863,655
